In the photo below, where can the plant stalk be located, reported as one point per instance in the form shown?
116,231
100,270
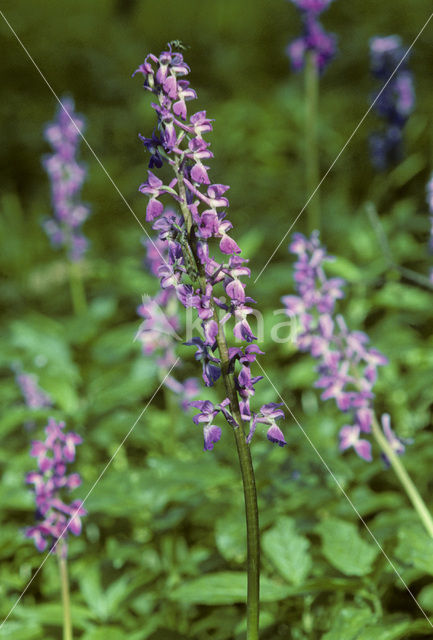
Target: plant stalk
64,582
243,450
311,146
401,473
78,295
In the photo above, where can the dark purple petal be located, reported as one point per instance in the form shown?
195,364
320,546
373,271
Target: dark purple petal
276,435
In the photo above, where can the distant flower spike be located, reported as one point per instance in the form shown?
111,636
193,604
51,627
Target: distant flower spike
34,396
55,517
314,37
396,101
67,177
347,366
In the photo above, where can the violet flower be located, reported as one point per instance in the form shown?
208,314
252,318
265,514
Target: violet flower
67,177
54,517
34,396
191,271
347,366
396,102
314,38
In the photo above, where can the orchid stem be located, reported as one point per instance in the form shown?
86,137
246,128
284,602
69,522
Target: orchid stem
401,473
243,449
311,147
78,295
66,601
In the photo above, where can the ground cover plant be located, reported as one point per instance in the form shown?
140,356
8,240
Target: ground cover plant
168,447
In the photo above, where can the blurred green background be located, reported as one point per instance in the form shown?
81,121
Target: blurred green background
163,547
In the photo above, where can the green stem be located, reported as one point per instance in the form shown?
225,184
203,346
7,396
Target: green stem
243,449
250,496
78,295
404,478
311,147
66,601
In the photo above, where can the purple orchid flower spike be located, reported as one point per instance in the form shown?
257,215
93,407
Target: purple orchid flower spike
67,177
55,517
347,366
190,271
394,104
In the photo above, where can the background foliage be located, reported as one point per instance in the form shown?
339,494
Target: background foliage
163,549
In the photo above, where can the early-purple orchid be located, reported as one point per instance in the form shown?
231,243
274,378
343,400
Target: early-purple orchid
188,241
396,101
54,517
67,177
347,365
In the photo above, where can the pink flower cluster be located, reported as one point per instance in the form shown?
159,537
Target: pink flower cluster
67,177
55,517
347,365
314,38
34,396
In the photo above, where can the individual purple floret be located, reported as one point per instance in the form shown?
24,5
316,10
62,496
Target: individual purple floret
34,396
347,366
398,445
314,38
67,177
53,515
396,102
190,239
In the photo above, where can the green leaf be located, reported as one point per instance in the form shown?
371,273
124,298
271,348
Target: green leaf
230,537
18,631
105,603
394,295
52,614
226,587
425,597
345,549
288,551
348,623
415,547
105,633
386,631
344,268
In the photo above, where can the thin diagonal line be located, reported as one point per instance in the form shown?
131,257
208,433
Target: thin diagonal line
344,146
88,494
80,133
325,464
